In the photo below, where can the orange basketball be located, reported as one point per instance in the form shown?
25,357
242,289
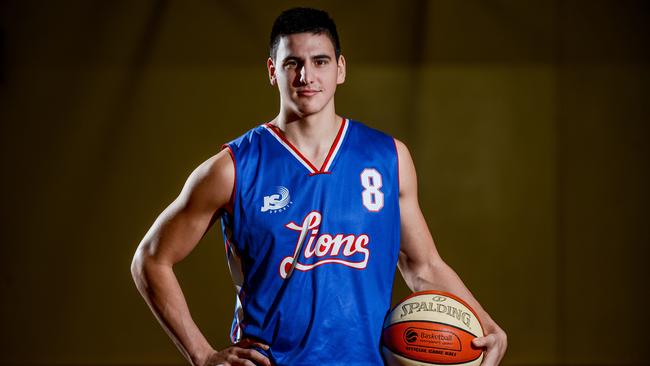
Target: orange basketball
431,328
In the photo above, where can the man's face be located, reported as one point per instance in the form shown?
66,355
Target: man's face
306,72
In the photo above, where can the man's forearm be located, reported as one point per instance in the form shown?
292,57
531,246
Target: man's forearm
159,287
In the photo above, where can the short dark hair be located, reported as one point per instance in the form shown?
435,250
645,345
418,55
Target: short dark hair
301,20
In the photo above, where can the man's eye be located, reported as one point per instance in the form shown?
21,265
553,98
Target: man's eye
290,64
321,62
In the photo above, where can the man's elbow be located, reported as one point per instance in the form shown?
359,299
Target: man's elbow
147,268
139,266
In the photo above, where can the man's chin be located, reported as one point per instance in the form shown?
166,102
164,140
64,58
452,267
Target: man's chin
306,110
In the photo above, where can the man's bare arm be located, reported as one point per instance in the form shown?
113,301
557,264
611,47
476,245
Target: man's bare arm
170,239
423,268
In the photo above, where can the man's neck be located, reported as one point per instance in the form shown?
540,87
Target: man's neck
313,134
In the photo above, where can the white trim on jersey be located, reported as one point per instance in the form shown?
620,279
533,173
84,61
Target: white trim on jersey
336,144
286,146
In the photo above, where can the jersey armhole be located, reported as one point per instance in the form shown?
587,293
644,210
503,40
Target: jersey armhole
397,157
230,206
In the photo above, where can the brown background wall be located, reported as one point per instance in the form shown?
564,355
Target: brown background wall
526,119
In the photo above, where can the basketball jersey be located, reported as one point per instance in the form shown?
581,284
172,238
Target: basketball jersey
313,251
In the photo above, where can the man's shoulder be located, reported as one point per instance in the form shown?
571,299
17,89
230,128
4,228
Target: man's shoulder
367,127
246,138
367,131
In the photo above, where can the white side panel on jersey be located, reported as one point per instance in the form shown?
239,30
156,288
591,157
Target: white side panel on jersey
237,274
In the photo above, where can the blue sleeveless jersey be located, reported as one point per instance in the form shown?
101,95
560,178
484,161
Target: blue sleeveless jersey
313,250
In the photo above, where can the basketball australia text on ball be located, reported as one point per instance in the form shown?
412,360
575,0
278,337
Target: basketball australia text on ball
436,306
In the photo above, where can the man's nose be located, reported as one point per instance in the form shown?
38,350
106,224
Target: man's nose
306,74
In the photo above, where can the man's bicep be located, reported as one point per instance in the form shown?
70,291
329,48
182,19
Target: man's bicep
184,222
417,246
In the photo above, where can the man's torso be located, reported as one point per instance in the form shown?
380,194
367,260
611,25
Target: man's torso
340,222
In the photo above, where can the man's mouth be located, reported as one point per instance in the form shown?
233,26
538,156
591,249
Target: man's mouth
308,92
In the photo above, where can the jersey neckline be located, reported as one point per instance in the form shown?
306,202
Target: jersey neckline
333,151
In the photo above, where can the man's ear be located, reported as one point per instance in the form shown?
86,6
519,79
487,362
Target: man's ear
340,65
271,68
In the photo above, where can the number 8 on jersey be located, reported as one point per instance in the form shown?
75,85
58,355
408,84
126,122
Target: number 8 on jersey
372,197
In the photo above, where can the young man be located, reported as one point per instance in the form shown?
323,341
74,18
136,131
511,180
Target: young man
317,211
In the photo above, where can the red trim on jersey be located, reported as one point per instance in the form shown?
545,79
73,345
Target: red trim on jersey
314,171
334,145
233,334
397,154
230,206
280,134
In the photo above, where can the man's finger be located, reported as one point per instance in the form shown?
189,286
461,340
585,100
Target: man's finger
254,355
478,342
490,357
243,362
247,342
482,342
261,345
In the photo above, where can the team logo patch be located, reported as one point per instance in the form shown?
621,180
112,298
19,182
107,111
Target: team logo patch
280,200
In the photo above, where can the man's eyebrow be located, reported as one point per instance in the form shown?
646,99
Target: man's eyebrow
291,58
300,59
